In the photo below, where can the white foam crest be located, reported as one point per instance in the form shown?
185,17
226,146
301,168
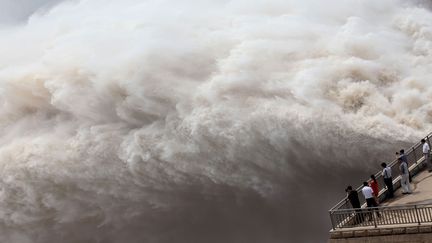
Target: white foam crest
114,113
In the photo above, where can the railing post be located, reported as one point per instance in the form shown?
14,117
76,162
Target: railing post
415,156
417,214
332,220
374,218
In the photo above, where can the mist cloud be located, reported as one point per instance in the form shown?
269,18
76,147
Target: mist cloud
161,121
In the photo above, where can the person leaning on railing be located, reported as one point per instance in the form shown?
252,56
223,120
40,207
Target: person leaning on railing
388,180
352,196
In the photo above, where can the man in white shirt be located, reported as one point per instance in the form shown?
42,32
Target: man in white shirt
426,151
388,180
367,191
403,167
368,194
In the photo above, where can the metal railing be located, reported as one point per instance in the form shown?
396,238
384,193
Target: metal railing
416,164
379,216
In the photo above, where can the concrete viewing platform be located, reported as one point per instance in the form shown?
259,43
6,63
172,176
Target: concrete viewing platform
421,186
403,218
422,192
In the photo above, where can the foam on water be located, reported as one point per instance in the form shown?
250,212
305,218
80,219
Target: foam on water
203,121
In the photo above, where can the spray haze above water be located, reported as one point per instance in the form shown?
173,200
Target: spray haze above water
203,121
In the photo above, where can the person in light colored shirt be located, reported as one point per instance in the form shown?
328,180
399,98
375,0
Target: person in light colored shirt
367,191
388,180
403,167
403,156
426,152
369,196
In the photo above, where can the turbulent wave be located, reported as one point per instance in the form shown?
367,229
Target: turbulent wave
203,121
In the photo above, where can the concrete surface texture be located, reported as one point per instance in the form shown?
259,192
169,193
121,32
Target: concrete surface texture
422,191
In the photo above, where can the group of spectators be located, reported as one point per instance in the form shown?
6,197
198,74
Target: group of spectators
370,189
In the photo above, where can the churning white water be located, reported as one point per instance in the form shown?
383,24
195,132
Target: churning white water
203,121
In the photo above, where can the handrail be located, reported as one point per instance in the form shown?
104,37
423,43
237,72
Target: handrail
383,215
414,156
407,206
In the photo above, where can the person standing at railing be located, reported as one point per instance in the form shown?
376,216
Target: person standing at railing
368,195
352,196
426,151
388,180
403,167
404,158
373,183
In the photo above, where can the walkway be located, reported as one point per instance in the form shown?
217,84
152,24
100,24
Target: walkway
422,192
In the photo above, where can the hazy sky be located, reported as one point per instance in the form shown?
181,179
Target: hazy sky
15,11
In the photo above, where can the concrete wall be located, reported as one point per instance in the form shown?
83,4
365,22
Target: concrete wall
412,234
411,238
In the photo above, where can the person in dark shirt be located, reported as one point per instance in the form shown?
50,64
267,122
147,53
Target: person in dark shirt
403,156
352,196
